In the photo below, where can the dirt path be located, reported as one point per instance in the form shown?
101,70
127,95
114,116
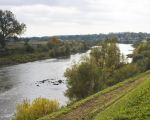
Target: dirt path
89,109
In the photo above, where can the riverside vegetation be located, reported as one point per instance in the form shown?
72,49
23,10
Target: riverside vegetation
38,108
98,72
54,48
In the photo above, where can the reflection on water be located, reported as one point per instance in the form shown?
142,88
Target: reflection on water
18,82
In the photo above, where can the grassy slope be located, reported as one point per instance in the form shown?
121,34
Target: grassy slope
133,106
105,102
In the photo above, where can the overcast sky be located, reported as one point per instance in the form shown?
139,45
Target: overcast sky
64,17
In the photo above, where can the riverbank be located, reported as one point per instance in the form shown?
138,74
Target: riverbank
102,102
30,57
22,58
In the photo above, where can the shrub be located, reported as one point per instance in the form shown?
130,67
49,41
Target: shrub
42,48
28,48
123,73
141,55
38,108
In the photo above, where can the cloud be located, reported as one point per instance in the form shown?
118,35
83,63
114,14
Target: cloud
43,2
49,17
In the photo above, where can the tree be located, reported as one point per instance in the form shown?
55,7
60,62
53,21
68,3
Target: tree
93,72
9,27
107,55
54,42
82,79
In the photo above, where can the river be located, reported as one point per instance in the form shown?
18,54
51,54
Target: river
37,79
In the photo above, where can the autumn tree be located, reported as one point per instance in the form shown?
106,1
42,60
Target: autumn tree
9,27
54,42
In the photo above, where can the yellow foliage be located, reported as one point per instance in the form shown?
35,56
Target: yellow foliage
38,108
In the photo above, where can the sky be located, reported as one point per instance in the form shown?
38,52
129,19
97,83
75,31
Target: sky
70,17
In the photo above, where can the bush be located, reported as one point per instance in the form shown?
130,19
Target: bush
38,108
123,73
28,48
141,55
42,48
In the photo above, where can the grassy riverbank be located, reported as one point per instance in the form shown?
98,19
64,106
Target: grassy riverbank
22,58
134,105
116,103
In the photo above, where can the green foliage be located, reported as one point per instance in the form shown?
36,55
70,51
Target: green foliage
108,58
14,59
141,55
31,51
42,48
28,48
124,72
9,27
60,51
134,106
82,79
59,48
38,108
93,72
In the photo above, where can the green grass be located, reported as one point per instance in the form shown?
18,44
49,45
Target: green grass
70,108
133,106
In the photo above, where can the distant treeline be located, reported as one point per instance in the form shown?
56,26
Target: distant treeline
123,37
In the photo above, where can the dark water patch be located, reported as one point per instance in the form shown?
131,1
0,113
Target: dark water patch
51,81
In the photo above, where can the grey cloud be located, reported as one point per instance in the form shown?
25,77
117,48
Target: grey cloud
27,2
44,2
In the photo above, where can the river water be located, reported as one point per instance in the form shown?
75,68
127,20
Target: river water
37,79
